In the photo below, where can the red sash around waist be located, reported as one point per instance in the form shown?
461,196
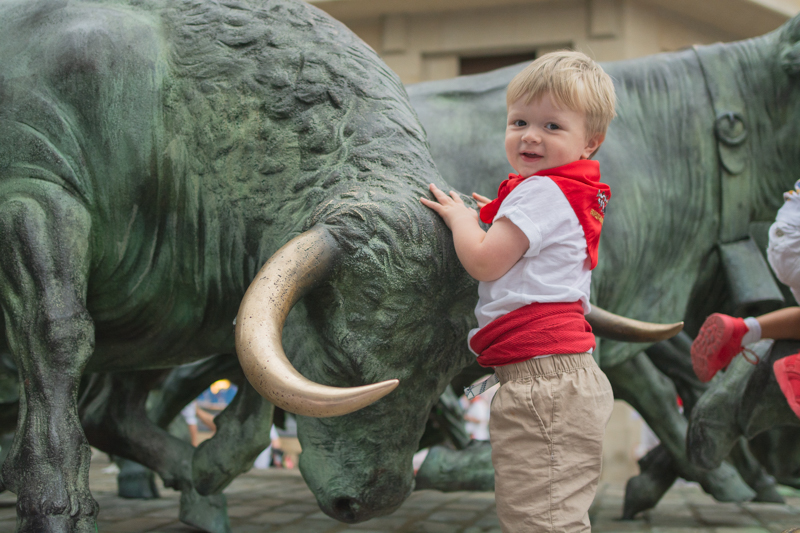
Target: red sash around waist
532,330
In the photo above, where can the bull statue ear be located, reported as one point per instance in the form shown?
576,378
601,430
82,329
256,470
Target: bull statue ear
790,47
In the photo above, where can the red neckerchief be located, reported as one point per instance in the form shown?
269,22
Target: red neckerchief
579,181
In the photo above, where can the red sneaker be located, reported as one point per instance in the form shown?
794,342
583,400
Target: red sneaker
787,372
719,341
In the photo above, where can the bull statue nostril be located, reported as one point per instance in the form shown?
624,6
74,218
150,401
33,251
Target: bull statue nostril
346,509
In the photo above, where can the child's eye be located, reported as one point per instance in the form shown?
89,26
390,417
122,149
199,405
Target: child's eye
551,126
520,123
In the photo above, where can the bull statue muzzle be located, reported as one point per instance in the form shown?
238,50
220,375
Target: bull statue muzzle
298,266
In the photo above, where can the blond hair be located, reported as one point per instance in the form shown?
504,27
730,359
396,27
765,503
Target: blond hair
573,81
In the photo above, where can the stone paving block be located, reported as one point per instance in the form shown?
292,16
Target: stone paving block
169,512
137,525
435,527
177,527
741,530
620,526
319,515
606,513
769,508
411,511
782,525
456,517
489,521
305,527
275,517
298,507
249,528
384,523
680,530
8,524
676,521
719,519
460,505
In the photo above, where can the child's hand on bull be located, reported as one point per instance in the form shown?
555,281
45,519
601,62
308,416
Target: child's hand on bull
482,200
450,207
485,255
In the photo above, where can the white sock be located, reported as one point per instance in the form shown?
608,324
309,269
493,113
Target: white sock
753,331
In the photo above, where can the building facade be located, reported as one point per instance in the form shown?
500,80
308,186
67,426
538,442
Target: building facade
436,39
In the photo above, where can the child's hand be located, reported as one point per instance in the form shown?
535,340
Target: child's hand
482,200
450,208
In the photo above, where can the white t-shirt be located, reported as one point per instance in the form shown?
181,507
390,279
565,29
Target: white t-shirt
556,266
783,252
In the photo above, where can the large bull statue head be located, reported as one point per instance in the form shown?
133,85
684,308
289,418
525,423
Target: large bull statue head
383,320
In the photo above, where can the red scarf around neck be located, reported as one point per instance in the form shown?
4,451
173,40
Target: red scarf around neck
580,183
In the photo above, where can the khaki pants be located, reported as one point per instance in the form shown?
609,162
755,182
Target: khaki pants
547,424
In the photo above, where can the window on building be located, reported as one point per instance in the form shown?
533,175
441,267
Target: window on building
478,64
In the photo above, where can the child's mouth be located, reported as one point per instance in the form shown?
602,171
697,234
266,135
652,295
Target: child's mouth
528,156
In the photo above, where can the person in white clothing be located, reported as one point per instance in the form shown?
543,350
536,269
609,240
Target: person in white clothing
723,337
534,267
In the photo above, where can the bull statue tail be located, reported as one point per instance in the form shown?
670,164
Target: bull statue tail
618,328
297,267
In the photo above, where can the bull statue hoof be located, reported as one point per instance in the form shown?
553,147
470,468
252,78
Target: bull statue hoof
135,482
452,470
62,523
207,513
714,428
767,491
754,473
643,492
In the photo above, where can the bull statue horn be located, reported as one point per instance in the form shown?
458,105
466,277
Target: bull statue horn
294,269
618,328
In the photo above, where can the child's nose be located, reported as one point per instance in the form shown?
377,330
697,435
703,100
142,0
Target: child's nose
530,135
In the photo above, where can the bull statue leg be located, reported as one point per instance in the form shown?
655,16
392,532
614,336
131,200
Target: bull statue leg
638,382
135,481
180,386
657,474
186,382
44,265
242,434
745,400
777,450
242,429
116,422
673,358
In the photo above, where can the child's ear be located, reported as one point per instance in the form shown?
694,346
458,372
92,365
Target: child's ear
593,146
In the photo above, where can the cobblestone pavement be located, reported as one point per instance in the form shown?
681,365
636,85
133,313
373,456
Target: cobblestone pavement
269,501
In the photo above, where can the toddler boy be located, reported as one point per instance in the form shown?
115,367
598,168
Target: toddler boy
722,337
534,266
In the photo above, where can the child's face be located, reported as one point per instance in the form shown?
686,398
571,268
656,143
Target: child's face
540,135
